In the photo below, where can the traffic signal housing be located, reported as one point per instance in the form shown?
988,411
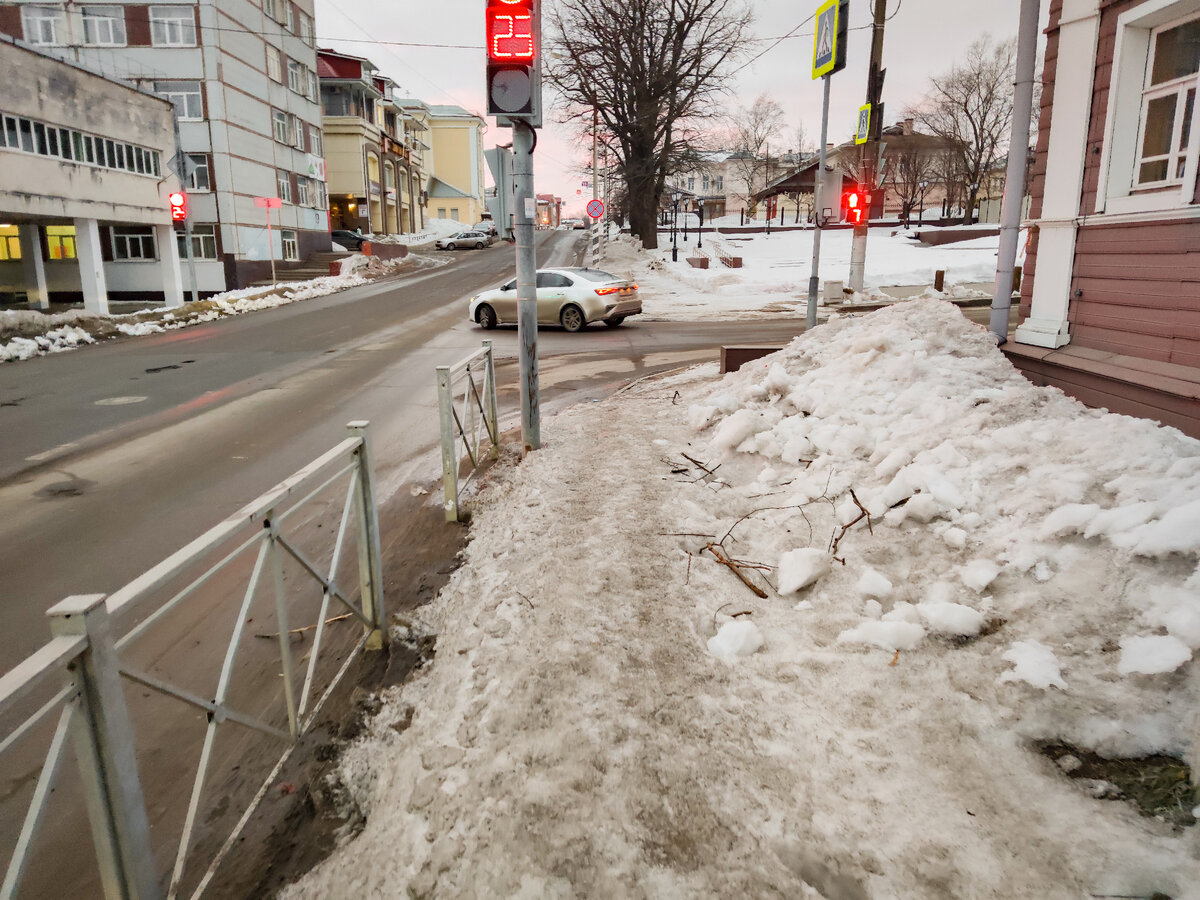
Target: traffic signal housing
514,66
179,206
856,205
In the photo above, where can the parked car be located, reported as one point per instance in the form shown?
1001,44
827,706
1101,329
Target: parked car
351,240
487,226
570,297
464,240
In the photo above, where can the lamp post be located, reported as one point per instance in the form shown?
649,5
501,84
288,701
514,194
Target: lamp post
675,227
700,227
921,212
974,186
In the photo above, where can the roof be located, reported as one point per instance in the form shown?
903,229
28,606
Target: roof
442,190
452,112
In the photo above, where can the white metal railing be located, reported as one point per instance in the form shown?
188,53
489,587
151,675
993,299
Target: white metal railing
466,419
88,657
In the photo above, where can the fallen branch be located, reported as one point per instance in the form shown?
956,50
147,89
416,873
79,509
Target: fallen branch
300,631
863,514
700,464
719,554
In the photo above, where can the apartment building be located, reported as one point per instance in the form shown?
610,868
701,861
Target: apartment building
84,181
456,184
241,76
373,146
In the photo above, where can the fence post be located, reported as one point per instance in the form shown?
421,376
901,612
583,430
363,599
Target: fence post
449,445
104,746
370,558
492,415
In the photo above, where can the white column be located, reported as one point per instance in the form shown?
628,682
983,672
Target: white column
1047,325
168,264
91,266
32,265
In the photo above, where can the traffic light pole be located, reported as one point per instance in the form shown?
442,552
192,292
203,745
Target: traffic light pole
818,189
870,150
524,139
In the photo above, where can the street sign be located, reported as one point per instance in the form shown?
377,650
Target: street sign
863,132
595,208
268,202
829,44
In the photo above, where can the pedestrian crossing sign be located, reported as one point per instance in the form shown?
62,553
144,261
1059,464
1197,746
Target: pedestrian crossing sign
829,45
862,133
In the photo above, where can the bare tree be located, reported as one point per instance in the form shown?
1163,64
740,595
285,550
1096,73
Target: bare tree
751,131
911,159
971,107
652,68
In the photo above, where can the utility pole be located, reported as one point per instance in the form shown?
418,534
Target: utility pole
869,152
531,420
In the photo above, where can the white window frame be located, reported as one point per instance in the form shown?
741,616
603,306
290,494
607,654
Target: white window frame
172,26
48,21
302,192
274,64
172,90
296,129
310,85
269,8
200,161
1121,154
102,18
289,18
204,242
288,245
295,76
127,237
279,126
307,34
283,184
316,141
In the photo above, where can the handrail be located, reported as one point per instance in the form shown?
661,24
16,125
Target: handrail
479,411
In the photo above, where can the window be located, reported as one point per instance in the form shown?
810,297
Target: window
133,242
296,126
310,87
30,136
454,213
302,198
306,29
10,243
199,179
691,184
172,26
279,122
705,182
318,194
289,21
441,212
44,24
284,184
60,241
315,146
204,242
269,8
274,72
290,247
104,26
553,280
1168,103
296,76
185,95
720,182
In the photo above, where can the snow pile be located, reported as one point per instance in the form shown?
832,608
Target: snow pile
54,340
601,720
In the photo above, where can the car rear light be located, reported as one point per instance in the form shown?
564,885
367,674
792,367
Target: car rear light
606,291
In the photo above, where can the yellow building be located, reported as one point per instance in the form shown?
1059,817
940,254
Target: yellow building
455,164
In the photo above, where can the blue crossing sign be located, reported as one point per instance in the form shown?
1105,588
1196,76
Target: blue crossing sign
829,44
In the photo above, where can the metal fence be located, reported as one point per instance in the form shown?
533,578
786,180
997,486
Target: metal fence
81,679
467,402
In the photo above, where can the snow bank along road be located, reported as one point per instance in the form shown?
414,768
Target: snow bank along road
611,712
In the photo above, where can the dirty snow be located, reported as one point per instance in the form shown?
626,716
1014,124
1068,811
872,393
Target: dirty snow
585,731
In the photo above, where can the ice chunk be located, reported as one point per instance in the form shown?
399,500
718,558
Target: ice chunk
902,611
951,619
872,609
735,639
1176,532
888,635
873,584
1035,664
955,538
736,429
922,508
979,573
1072,517
1152,655
800,568
848,511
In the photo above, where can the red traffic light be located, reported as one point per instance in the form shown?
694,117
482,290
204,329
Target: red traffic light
854,202
178,201
510,34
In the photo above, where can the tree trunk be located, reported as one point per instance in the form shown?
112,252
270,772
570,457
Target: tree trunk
643,216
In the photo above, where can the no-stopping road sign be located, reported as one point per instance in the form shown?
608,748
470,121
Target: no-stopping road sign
595,208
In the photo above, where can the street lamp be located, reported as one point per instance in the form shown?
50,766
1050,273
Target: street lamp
921,212
974,186
700,227
675,227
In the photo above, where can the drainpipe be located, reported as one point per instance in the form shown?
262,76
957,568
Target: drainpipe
1014,179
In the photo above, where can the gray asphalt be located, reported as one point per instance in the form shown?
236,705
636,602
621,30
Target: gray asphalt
114,456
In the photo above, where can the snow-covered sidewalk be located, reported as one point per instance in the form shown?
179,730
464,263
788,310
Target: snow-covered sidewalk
611,712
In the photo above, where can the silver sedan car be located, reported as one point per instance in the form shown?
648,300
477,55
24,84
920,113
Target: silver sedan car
571,297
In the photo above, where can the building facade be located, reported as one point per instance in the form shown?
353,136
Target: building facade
1110,305
373,149
84,184
455,184
241,75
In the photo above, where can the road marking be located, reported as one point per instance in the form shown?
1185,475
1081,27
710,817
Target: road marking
60,449
119,401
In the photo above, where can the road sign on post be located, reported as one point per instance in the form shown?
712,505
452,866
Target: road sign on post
829,47
862,133
269,203
595,208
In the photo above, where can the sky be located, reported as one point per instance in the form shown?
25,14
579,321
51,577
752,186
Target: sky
923,38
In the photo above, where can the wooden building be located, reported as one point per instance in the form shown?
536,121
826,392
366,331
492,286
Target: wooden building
1110,307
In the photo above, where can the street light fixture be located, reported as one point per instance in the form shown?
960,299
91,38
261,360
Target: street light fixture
921,212
974,186
675,227
700,227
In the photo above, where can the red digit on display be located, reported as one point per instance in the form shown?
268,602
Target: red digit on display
510,31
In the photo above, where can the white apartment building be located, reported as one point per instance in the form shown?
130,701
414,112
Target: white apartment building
241,75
